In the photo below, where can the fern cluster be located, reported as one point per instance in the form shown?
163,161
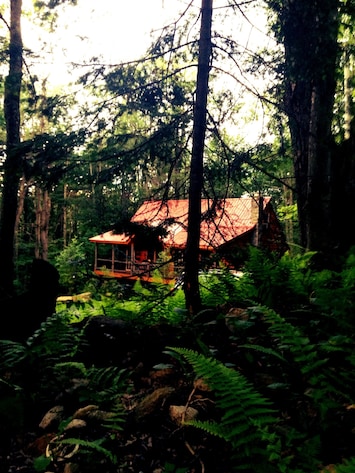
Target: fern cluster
245,415
281,380
302,340
46,368
260,439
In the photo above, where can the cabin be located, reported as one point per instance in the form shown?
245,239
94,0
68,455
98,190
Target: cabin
228,226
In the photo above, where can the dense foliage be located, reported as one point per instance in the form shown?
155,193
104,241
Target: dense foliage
260,379
90,154
267,366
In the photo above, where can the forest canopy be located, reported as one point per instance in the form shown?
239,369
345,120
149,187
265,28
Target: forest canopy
79,156
177,280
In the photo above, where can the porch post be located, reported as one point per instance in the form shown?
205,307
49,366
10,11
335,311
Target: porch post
95,258
133,258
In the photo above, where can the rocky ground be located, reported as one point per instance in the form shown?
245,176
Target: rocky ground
160,396
69,434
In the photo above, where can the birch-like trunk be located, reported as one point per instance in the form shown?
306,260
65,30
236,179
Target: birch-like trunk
43,211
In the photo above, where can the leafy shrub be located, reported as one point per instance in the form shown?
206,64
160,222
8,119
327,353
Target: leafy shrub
72,266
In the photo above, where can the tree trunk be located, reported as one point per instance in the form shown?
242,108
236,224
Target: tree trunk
348,79
13,162
43,210
192,254
310,31
23,186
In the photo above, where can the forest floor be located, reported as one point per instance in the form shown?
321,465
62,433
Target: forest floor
162,395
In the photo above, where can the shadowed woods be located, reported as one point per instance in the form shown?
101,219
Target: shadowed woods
24,313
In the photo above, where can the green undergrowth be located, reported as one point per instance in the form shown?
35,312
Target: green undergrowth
281,377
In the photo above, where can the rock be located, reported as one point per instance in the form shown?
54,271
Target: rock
201,385
52,418
152,403
92,413
182,414
76,424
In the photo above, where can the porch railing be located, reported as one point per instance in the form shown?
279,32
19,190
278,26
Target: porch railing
129,267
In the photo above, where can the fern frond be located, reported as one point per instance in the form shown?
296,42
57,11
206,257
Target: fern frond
55,339
11,354
91,445
112,376
245,413
116,422
347,467
105,384
289,336
210,427
328,379
266,351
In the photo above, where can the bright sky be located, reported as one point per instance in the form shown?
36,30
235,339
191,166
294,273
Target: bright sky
119,30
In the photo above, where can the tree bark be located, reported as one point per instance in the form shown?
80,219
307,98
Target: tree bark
43,210
310,32
13,162
23,186
192,253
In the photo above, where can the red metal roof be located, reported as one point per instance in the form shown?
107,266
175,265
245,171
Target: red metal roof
110,237
222,221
